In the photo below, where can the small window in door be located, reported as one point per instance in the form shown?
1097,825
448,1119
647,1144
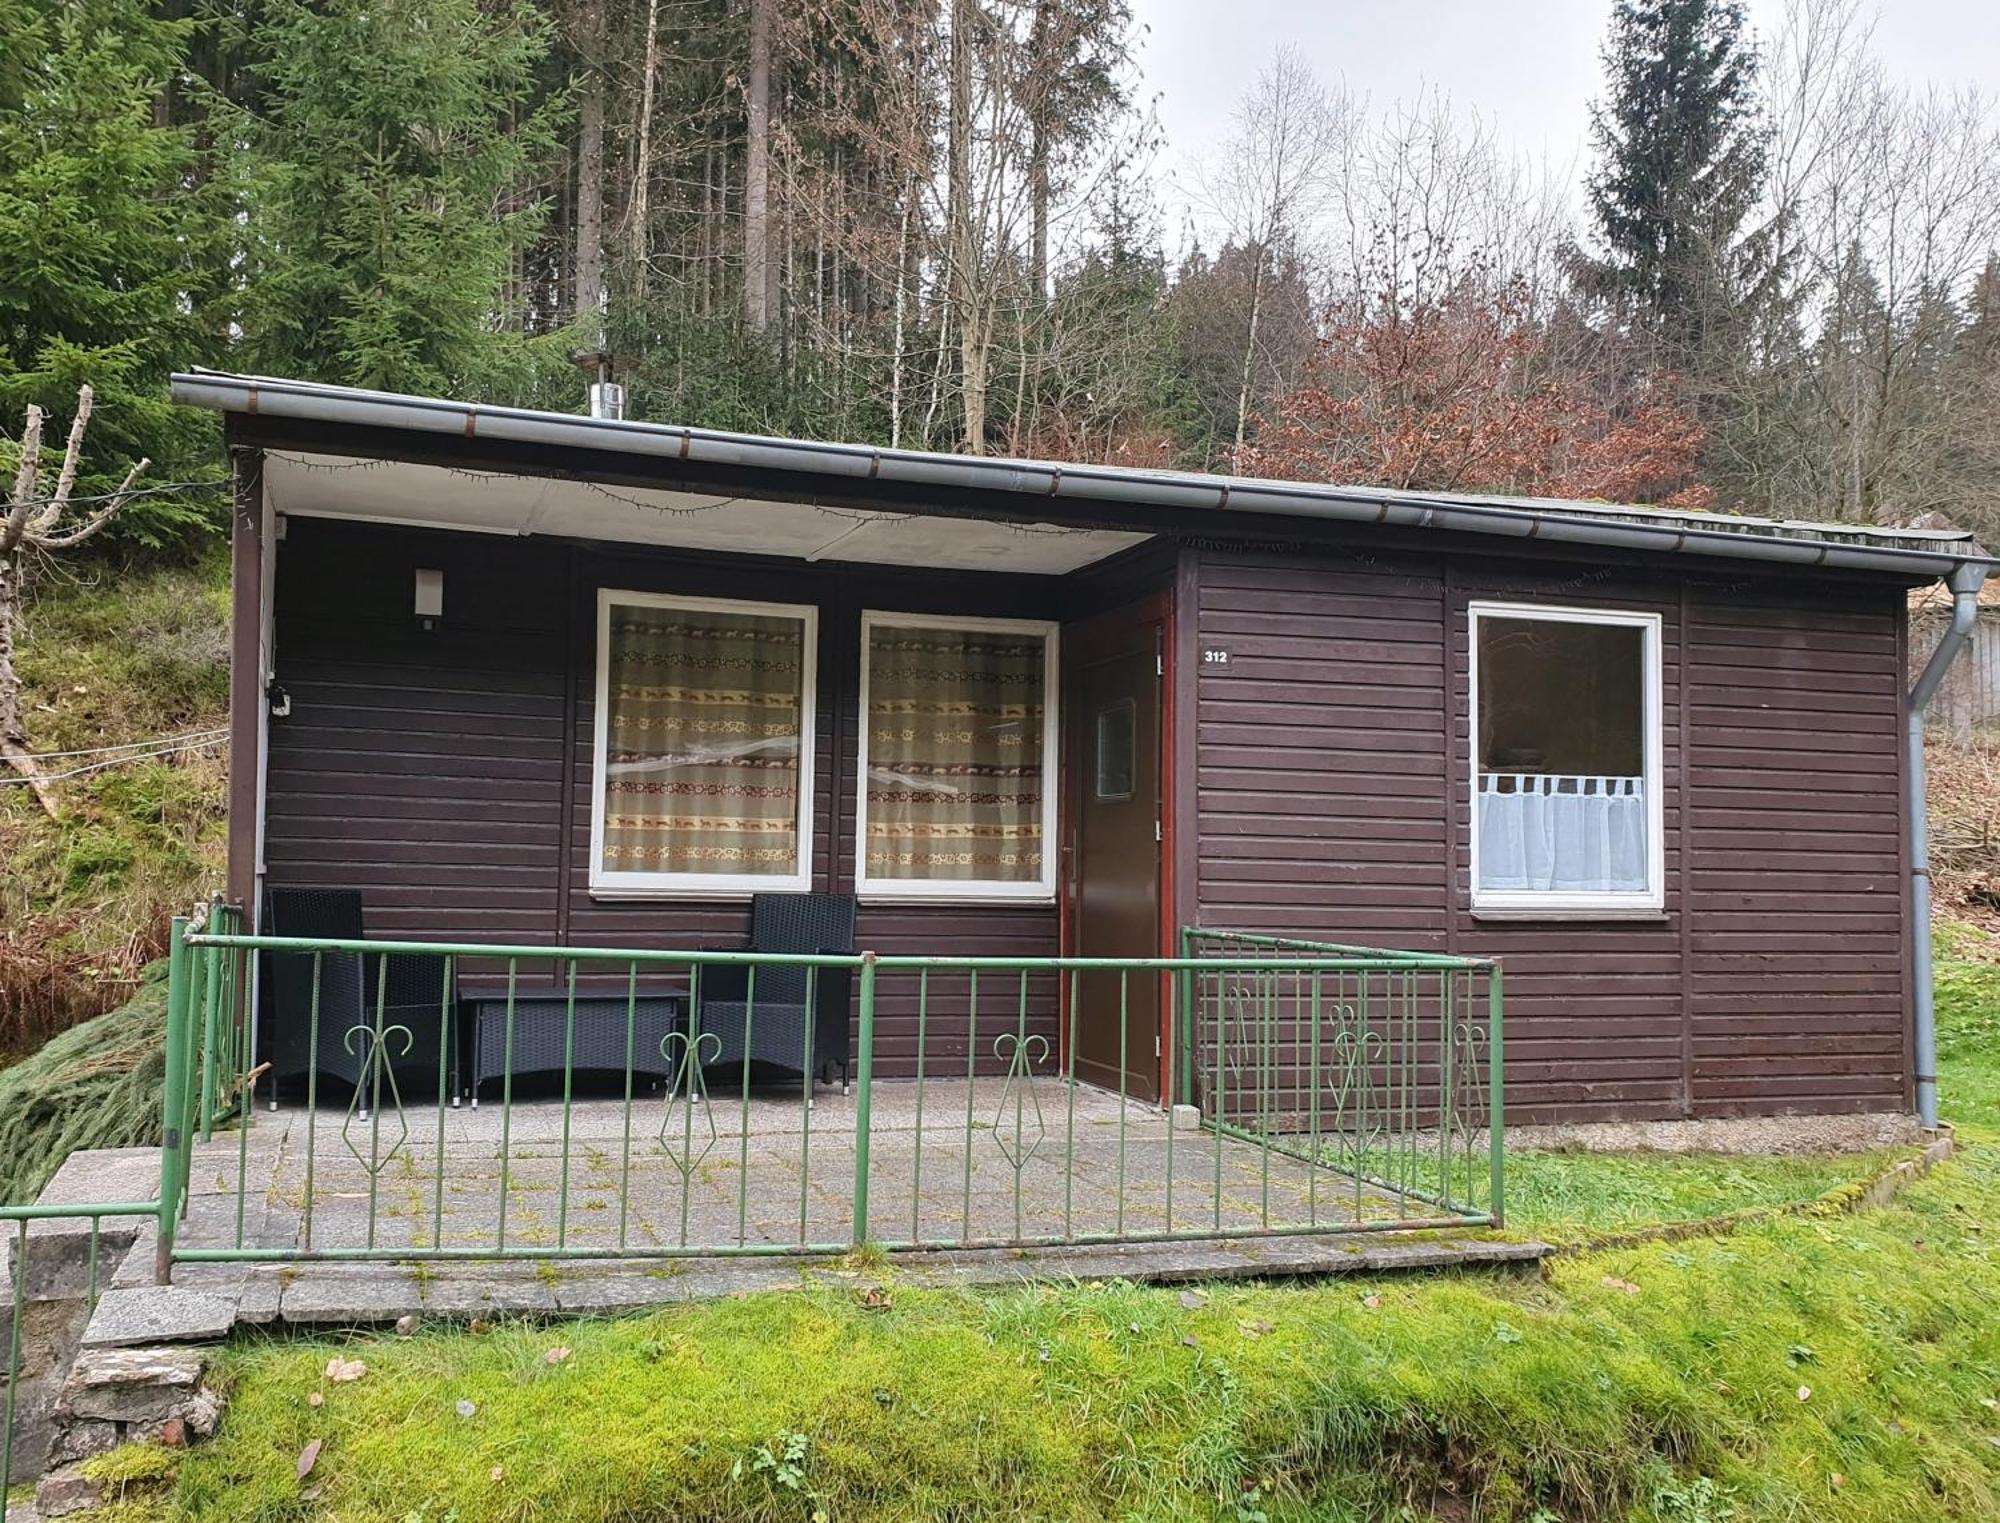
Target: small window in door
1116,738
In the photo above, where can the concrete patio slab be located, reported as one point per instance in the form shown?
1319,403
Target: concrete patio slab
529,1210
955,1164
377,1294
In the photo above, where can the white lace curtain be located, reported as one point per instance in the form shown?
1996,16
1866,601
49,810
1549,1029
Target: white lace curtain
1553,833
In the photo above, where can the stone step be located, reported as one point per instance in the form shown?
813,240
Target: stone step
57,1269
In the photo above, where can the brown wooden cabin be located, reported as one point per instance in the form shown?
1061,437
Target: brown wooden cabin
1230,703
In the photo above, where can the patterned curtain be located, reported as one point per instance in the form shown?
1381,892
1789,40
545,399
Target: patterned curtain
955,724
702,751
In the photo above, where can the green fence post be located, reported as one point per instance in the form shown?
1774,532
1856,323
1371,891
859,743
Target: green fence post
1496,1104
173,1105
1185,978
12,1368
864,1080
208,980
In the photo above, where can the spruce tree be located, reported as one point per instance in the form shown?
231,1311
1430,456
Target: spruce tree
1681,148
109,246
390,152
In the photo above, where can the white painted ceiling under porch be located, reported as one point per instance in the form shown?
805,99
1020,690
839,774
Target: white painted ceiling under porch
389,491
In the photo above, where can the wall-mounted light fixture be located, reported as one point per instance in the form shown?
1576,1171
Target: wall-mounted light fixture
430,595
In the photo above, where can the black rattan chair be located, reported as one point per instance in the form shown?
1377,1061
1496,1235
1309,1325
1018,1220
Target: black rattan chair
411,989
770,1031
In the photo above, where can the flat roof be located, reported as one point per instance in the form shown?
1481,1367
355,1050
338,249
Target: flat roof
1045,488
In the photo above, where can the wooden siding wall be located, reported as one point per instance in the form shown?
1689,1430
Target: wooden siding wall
436,769
446,773
1334,802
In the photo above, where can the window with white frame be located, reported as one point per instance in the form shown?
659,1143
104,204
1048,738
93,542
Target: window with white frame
1565,759
956,790
704,740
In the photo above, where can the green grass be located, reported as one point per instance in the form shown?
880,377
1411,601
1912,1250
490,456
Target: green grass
108,650
1577,1197
1451,1397
1571,1197
1968,1016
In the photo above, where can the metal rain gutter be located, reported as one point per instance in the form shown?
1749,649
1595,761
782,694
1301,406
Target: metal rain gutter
1034,479
1965,584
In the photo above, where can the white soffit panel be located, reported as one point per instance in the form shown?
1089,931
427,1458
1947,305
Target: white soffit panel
384,491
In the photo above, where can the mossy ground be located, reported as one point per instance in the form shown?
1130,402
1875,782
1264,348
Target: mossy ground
132,1465
1448,1397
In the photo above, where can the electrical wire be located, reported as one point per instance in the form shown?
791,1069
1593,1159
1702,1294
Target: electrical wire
117,761
158,489
191,736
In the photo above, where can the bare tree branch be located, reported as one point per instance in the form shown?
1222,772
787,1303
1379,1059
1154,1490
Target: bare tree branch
22,502
38,525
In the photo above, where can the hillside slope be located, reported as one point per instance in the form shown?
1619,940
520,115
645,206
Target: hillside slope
110,656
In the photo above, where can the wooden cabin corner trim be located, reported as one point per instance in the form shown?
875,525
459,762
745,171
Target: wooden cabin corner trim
249,673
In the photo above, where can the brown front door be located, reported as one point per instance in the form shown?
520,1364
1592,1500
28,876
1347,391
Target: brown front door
1112,757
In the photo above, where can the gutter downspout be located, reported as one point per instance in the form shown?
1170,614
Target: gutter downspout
1964,583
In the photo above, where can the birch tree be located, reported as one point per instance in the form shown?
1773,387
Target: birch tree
590,290
1267,187
757,173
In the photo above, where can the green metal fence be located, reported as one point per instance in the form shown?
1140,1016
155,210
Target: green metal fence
1386,1065
986,1102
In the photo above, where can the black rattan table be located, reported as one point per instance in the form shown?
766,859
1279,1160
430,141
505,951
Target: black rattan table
599,1044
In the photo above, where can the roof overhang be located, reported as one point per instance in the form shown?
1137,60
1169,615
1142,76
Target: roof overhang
1047,515
310,484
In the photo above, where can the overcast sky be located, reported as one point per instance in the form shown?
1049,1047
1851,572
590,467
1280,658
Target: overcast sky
1529,67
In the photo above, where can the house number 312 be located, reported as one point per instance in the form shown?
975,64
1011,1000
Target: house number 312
1211,656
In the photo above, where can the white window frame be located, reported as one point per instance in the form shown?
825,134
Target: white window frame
1040,890
1534,903
667,885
